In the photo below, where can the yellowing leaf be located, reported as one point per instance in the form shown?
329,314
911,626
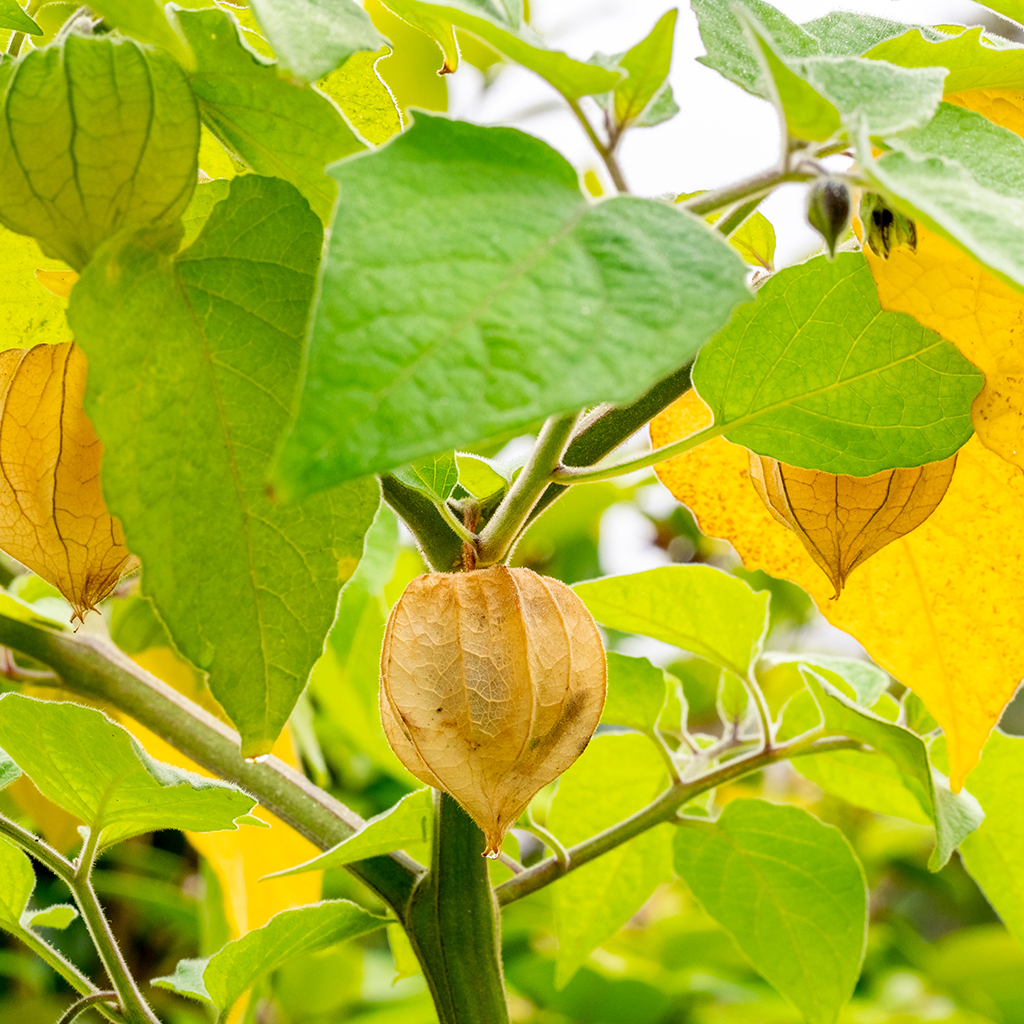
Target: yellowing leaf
240,858
57,282
362,95
843,520
29,313
52,515
947,290
939,608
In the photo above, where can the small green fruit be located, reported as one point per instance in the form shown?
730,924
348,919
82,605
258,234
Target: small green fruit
828,210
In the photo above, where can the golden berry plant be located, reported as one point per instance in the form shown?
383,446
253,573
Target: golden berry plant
265,305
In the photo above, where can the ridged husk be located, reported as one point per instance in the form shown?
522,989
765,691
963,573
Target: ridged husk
844,520
492,683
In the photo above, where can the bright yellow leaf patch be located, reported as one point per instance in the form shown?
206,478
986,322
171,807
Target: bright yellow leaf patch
52,515
940,608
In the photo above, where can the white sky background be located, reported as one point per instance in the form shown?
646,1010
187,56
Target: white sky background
721,134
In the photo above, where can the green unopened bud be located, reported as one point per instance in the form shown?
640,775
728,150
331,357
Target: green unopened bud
885,229
828,210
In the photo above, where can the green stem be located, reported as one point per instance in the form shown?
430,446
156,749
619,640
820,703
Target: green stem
441,548
756,187
460,531
663,809
453,923
502,531
76,878
735,219
83,1004
606,152
582,475
93,668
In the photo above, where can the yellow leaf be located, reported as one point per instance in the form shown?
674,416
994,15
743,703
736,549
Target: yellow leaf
57,282
951,293
363,97
29,314
52,515
240,858
940,608
843,520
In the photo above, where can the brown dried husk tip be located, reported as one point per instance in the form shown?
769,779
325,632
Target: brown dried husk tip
491,684
844,520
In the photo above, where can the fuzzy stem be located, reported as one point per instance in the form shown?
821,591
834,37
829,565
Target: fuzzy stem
83,1004
606,152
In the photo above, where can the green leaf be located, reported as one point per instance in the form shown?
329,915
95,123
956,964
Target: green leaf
645,97
1013,9
346,680
77,164
193,361
14,18
791,893
144,20
237,966
479,476
365,100
854,776
95,770
313,37
696,607
405,826
30,314
807,114
435,476
817,375
206,196
279,128
637,691
994,853
615,776
466,271
852,34
502,25
729,49
866,681
58,916
17,880
972,58
9,771
754,240
961,175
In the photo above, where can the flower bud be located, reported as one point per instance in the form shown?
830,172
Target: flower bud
828,210
491,684
885,229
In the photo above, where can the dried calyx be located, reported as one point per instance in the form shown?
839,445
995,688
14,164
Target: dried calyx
843,520
492,683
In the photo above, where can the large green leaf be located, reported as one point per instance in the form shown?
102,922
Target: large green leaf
193,361
467,272
852,34
696,607
637,691
95,770
975,60
963,176
237,966
14,18
865,779
501,24
790,892
277,127
17,880
313,37
816,374
615,776
78,162
994,853
405,826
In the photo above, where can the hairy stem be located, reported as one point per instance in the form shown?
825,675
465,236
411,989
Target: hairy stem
94,668
503,530
756,187
663,809
81,1005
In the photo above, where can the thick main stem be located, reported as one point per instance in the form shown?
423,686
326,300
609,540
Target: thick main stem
453,923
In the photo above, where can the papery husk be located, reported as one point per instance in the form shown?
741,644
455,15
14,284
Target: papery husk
843,520
492,683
